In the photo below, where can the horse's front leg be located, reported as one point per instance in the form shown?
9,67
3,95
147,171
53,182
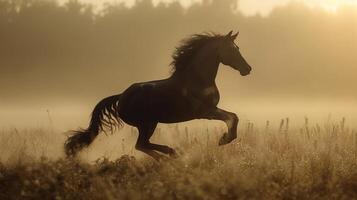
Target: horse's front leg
231,121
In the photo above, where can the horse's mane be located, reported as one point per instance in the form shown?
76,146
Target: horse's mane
188,48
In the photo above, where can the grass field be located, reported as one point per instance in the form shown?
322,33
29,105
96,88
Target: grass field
269,162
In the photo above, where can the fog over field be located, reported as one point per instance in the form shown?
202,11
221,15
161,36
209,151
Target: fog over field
59,60
297,133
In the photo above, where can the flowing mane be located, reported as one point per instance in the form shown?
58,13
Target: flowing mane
188,48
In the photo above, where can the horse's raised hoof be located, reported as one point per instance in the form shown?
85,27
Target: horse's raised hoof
226,139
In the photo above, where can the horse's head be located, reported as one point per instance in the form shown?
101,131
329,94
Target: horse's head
229,54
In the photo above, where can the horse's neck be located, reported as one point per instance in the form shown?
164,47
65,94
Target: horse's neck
203,69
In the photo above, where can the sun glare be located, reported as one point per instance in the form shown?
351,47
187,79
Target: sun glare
253,7
330,5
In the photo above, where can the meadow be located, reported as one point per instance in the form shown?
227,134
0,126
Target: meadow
314,161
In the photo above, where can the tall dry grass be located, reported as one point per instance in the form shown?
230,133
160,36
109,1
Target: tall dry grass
269,162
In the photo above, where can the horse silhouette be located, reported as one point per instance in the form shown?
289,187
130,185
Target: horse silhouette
189,93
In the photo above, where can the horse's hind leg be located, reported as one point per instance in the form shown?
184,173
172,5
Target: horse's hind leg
143,143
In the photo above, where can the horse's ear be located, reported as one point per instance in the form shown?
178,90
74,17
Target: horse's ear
229,34
235,36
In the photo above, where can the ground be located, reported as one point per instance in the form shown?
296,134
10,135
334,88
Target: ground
311,162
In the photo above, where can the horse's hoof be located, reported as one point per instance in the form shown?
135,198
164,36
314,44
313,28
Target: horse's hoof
225,139
173,154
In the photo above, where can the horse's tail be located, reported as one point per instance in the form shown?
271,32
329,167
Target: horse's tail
104,116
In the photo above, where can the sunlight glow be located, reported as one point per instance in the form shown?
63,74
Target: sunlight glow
330,5
253,7
247,7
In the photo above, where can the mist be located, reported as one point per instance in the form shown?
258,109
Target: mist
57,61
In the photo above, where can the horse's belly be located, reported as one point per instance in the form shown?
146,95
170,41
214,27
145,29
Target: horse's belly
166,106
181,109
165,110
144,103
171,110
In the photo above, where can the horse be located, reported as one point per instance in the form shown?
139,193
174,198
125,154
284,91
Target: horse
189,93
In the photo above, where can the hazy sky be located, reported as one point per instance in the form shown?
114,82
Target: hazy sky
248,7
55,58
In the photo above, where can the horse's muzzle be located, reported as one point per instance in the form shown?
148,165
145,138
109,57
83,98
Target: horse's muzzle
245,73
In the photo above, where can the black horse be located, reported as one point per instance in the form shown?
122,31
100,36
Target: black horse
190,93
